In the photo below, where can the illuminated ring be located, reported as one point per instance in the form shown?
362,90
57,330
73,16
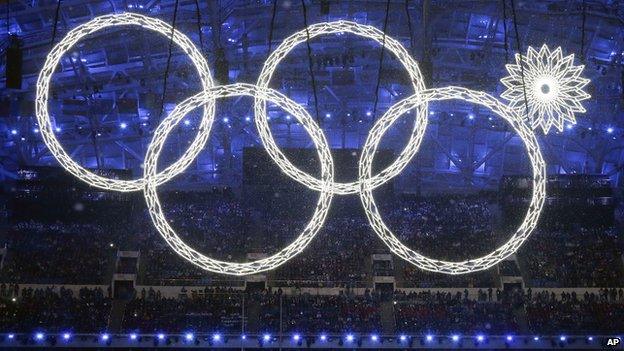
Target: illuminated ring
43,91
155,209
535,156
328,28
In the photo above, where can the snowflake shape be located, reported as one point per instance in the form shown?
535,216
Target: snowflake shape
553,86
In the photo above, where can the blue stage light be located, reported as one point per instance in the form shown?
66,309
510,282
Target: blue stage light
350,337
187,122
429,337
244,337
296,337
226,120
590,338
374,338
58,129
247,118
66,336
161,336
610,130
403,337
536,338
323,337
471,116
189,336
368,113
133,336
266,337
328,115
11,336
563,338
480,337
455,337
14,131
123,125
105,337
216,337
509,338
39,336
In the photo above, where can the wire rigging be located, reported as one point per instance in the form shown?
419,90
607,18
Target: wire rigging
505,31
305,23
56,18
381,57
199,25
519,47
272,26
173,25
409,26
583,18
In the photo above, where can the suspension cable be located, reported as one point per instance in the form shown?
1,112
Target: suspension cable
381,56
305,23
173,25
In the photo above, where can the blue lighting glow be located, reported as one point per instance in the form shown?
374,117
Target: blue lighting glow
328,115
480,337
36,130
66,336
610,130
216,337
288,117
569,126
509,338
189,336
536,338
563,338
58,129
247,118
455,337
14,131
266,337
429,337
296,337
244,337
11,336
187,122
123,125
323,337
403,337
374,338
105,337
39,336
471,116
161,336
350,337
590,338
368,113
226,120
133,336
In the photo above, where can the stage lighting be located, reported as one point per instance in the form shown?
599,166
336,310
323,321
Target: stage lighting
133,336
323,337
509,338
296,337
105,337
374,338
536,338
39,336
11,336
368,113
590,338
161,336
226,120
403,338
123,125
66,336
216,337
14,131
189,336
610,130
563,338
480,337
244,337
429,337
455,338
350,337
266,337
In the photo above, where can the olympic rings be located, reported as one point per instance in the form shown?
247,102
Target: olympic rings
535,156
43,91
370,32
153,203
325,185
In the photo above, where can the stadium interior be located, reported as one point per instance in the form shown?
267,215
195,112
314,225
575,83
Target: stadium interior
83,266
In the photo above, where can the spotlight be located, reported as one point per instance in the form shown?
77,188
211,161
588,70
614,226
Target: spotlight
36,130
288,117
105,337
14,131
189,336
296,337
66,336
536,338
403,337
161,336
368,113
429,337
243,337
58,129
563,338
480,337
226,120
266,337
323,337
247,118
123,125
471,116
509,338
610,130
590,338
350,337
455,338
374,338
216,337
39,336
187,122
328,115
11,336
569,126
133,336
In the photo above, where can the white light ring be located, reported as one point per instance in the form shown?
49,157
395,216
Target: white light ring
328,28
535,156
153,202
43,90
